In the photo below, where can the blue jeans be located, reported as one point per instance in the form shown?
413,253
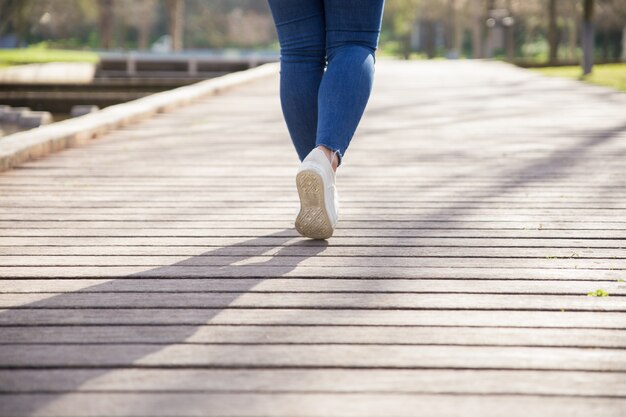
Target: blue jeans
327,56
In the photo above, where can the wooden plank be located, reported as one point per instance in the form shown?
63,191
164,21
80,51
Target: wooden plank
382,335
303,247
286,200
410,381
316,257
288,194
105,200
175,222
302,316
99,200
165,214
167,195
316,285
241,181
309,405
44,264
605,235
312,356
281,237
381,177
121,253
262,271
381,172
26,182
350,300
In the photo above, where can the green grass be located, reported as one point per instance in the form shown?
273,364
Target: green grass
609,75
38,55
598,293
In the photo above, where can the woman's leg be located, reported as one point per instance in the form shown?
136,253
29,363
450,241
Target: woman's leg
352,31
301,32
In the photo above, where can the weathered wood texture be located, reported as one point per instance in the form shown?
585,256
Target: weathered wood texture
156,272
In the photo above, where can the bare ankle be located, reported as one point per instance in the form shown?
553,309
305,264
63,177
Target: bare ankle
332,156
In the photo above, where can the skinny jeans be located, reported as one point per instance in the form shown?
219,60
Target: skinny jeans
327,57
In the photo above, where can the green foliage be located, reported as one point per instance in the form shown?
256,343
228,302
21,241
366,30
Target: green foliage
395,49
609,75
398,21
537,49
598,293
41,54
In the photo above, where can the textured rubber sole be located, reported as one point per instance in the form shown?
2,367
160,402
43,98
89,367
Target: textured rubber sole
313,220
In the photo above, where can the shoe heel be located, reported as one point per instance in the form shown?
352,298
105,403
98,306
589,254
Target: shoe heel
313,220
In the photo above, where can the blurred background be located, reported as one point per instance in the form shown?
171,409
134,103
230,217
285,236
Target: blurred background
528,31
130,48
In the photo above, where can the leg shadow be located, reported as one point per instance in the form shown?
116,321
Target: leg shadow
28,357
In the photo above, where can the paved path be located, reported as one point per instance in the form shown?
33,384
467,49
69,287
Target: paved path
155,271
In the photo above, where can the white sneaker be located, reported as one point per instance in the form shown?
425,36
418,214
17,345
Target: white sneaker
319,203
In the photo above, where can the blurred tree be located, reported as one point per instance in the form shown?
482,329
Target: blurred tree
510,32
587,36
489,22
402,15
453,30
610,24
478,25
571,24
15,16
145,19
106,21
433,16
229,24
176,21
544,30
553,36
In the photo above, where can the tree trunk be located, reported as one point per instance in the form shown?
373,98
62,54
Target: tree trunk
477,30
624,43
510,35
451,30
406,46
15,14
176,12
490,5
458,35
553,38
587,37
573,35
145,24
106,23
429,37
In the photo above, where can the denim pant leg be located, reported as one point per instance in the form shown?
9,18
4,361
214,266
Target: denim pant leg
352,33
300,25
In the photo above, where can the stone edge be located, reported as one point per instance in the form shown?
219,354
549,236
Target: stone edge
25,146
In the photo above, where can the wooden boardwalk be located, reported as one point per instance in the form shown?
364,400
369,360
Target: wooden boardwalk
156,271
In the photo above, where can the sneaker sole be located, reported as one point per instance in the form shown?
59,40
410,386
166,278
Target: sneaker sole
313,220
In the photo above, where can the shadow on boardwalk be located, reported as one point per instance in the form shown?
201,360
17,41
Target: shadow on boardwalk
179,333
585,147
